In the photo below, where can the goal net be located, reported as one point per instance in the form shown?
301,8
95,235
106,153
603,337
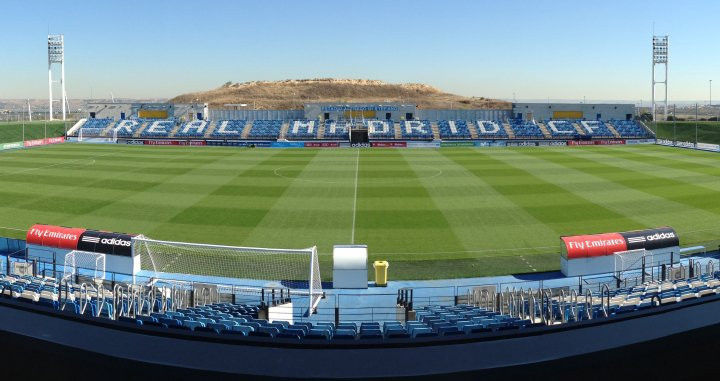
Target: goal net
95,135
84,263
260,267
633,260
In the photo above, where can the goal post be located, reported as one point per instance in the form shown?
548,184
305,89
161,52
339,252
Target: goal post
633,260
251,266
84,136
84,263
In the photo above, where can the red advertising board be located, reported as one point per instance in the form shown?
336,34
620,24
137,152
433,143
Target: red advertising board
43,142
605,142
54,236
597,245
174,143
322,144
389,144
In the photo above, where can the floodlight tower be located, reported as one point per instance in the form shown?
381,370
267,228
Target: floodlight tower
56,55
660,57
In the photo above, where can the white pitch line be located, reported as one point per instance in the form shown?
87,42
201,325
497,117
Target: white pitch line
55,165
16,229
357,167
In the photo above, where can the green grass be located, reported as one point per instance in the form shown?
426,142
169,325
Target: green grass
456,212
707,132
13,131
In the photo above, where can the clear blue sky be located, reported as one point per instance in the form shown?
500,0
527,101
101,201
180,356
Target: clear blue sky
537,49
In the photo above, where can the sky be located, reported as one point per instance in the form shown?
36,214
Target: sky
534,49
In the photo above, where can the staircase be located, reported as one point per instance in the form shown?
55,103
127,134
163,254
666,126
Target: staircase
398,131
108,130
508,130
174,130
283,130
578,128
321,130
612,129
246,131
211,129
473,131
544,130
435,130
140,130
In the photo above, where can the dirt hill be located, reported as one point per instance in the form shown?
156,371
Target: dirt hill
292,94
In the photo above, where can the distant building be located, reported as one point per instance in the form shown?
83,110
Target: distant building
581,111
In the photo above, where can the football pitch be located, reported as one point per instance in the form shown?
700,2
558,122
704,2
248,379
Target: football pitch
432,213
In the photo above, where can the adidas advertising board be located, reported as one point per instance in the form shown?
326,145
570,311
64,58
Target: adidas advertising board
105,242
651,239
596,245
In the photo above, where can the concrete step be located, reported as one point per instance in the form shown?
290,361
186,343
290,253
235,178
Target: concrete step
211,129
508,130
141,129
320,130
435,130
612,129
578,129
544,130
398,131
246,130
473,130
284,130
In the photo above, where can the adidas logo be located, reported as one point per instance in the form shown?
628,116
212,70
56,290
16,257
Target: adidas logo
91,239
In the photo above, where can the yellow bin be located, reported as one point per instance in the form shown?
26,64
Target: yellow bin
381,268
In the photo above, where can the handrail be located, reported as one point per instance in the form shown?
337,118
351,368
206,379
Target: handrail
546,308
588,305
118,301
532,307
83,296
606,311
574,304
67,292
710,267
562,306
100,293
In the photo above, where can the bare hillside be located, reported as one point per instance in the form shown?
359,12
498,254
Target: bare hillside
292,94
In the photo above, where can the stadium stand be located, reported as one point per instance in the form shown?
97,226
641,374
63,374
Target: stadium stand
265,129
380,129
339,130
561,129
416,130
193,129
596,128
158,129
630,129
450,129
490,129
95,127
128,127
430,321
302,130
526,129
229,128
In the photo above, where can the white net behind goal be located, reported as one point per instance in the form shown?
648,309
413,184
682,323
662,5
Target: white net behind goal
95,135
262,267
84,263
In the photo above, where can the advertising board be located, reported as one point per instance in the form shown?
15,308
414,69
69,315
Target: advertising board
604,142
458,144
13,145
287,144
708,147
584,246
43,142
389,144
322,144
423,144
80,239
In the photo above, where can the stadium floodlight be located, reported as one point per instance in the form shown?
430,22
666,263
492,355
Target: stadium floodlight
659,57
56,55
207,263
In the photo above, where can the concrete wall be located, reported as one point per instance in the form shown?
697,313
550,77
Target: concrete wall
590,111
256,114
336,111
180,111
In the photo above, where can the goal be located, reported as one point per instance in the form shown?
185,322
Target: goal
93,135
633,260
250,266
84,263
